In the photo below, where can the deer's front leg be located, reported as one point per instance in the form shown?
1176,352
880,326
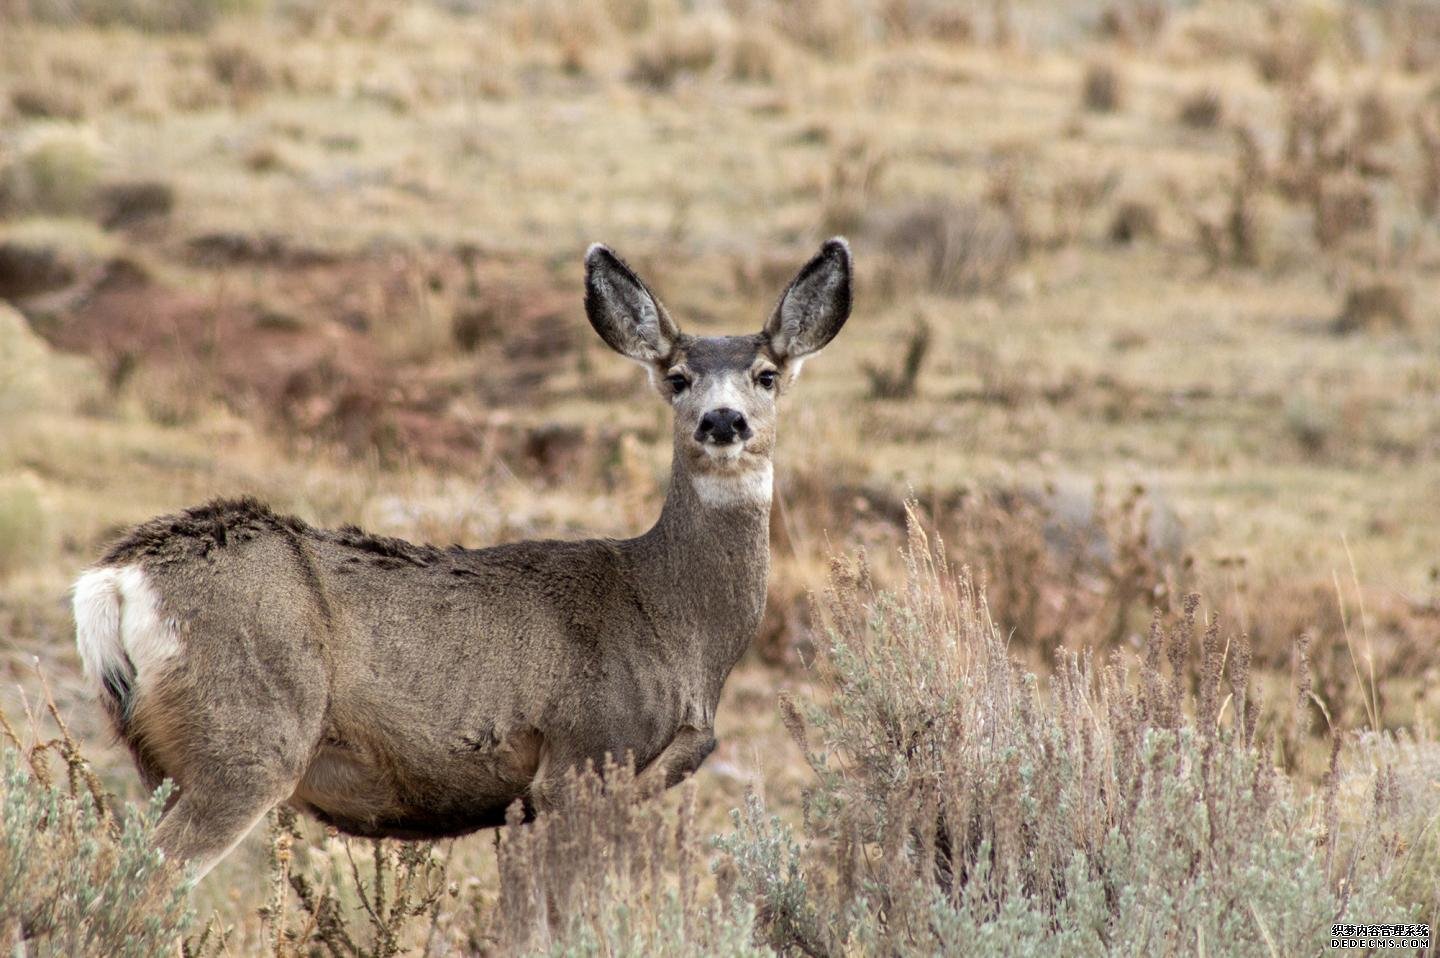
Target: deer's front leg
690,746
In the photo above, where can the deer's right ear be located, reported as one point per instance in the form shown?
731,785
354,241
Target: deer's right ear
624,311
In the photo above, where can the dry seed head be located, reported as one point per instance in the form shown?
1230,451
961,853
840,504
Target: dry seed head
794,722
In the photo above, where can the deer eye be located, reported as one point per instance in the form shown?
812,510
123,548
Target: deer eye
766,380
679,382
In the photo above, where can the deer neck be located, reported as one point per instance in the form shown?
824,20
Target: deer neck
703,567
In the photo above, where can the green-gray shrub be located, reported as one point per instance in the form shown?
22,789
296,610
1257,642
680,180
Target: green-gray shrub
24,533
958,807
75,882
55,171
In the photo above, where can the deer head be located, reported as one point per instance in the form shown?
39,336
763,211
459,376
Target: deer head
723,389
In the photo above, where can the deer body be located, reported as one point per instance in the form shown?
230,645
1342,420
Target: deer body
408,691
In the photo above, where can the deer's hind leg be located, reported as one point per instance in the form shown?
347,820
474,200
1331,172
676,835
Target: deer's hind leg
235,742
682,757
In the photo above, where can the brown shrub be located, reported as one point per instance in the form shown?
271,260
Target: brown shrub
1134,220
1378,304
1102,89
677,50
1427,136
126,203
474,324
952,248
852,186
899,381
239,69
1251,168
46,102
755,56
951,26
1243,229
827,28
1204,109
1133,22
1286,58
1075,197
1376,120
1313,144
1343,205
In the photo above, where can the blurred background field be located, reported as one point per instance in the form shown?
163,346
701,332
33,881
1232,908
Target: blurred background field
1146,306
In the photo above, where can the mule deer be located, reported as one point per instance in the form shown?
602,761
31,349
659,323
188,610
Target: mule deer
399,690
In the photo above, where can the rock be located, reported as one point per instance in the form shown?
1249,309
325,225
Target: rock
28,269
127,203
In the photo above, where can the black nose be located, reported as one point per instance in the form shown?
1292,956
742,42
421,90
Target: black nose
722,425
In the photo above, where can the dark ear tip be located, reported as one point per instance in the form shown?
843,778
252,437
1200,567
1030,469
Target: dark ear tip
597,254
837,246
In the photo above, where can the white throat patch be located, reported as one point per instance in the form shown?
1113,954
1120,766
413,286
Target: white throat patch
749,488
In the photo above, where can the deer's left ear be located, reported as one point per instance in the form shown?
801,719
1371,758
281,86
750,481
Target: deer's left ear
814,306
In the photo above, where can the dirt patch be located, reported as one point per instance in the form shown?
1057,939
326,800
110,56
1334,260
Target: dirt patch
304,348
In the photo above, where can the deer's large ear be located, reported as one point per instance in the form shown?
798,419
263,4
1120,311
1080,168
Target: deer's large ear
815,304
623,311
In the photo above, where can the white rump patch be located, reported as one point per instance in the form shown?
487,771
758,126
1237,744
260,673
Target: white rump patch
117,616
749,488
97,622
